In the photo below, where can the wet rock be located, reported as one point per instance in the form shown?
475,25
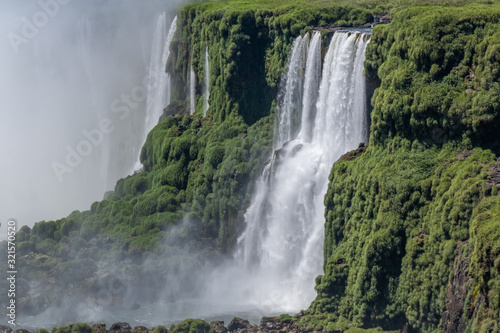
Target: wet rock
99,328
218,326
120,328
270,324
275,324
238,324
5,329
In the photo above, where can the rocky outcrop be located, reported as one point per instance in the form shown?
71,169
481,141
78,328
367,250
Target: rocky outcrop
120,328
457,291
353,154
267,325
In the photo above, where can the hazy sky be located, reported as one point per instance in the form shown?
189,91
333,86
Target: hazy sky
63,65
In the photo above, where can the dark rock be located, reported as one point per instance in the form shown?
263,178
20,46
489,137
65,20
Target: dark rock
238,324
457,292
5,329
494,176
353,154
218,326
464,154
173,109
270,324
99,328
120,328
140,329
382,19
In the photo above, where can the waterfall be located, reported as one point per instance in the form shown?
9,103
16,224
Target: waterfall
192,91
158,89
290,98
207,83
321,116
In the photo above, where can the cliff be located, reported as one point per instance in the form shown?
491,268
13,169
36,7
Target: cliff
411,224
412,220
184,210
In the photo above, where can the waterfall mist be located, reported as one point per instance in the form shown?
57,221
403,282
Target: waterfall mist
72,104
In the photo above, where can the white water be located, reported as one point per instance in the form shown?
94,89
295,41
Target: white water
192,91
158,88
283,242
207,83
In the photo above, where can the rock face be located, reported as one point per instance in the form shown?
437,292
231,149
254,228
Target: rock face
353,154
457,293
267,325
120,328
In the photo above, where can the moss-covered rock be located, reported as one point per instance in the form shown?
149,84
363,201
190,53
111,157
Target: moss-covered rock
400,218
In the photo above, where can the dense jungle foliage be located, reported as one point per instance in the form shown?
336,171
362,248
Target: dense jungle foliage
404,220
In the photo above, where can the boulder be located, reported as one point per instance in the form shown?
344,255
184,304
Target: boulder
120,328
238,324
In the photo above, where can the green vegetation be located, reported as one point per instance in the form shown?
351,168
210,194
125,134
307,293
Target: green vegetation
160,329
399,216
394,219
192,326
400,212
248,45
76,328
439,71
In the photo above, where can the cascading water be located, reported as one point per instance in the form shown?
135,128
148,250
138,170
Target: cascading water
158,89
207,83
321,116
192,91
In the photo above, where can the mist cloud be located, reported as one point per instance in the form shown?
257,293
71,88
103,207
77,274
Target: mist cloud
64,62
